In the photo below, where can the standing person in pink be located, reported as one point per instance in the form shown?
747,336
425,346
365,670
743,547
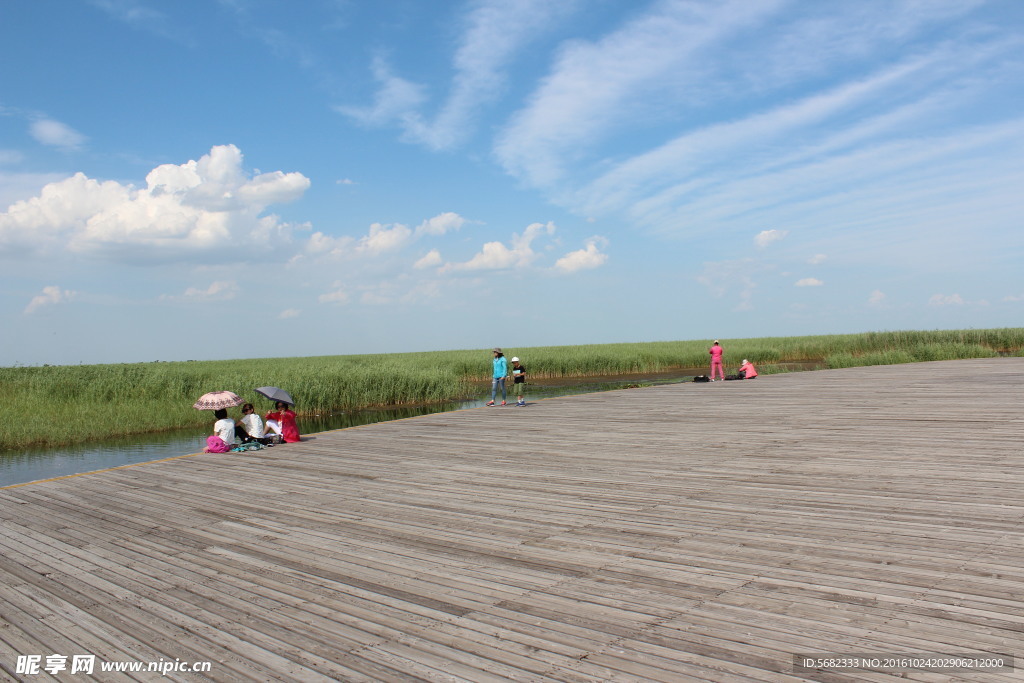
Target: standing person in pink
716,361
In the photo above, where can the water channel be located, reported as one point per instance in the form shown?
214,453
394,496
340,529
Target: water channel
19,466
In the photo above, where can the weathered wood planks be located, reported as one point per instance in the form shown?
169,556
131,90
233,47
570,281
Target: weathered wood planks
683,532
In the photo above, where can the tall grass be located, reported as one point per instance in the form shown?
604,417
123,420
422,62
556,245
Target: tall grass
924,352
68,404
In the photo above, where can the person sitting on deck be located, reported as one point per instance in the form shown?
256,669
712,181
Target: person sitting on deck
282,422
250,427
223,437
747,370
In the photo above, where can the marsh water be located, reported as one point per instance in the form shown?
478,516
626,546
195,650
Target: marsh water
19,466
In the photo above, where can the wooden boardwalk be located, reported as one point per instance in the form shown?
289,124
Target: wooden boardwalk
682,532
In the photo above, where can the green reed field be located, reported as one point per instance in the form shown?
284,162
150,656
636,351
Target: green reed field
59,405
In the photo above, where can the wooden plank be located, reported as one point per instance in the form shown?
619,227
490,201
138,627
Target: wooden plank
615,536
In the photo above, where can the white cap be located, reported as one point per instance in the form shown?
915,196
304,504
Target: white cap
745,361
514,359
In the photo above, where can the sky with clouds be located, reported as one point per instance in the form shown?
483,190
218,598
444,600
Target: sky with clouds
254,178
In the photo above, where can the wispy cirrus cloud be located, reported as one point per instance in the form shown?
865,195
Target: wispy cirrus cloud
703,163
56,134
397,100
143,16
733,278
494,32
596,86
871,134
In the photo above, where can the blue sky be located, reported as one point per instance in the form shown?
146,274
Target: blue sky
252,178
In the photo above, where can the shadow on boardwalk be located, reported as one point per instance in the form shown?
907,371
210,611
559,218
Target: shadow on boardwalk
684,531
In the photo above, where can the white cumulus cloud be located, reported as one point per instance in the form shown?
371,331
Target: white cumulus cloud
441,224
221,290
809,282
498,256
816,259
183,211
946,300
338,296
321,244
384,238
766,237
877,298
50,296
431,259
582,259
289,313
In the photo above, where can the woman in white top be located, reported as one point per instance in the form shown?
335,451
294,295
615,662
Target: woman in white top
251,425
223,427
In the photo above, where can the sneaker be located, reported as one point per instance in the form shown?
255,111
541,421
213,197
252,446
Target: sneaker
521,403
502,403
490,403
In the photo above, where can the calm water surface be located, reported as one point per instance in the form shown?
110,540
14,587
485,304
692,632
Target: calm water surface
20,466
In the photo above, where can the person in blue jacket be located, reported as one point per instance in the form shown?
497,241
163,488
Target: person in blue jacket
498,377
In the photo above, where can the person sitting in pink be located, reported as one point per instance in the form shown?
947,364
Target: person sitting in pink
716,361
282,421
747,370
223,438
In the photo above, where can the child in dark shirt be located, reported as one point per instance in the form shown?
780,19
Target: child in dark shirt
519,380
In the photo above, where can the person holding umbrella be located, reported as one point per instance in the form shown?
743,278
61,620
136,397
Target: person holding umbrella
223,437
281,421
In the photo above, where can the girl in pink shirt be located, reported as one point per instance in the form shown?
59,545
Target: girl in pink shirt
716,360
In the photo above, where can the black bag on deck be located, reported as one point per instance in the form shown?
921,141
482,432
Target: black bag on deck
701,378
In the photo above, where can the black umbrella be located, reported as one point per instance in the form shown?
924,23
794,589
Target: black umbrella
275,394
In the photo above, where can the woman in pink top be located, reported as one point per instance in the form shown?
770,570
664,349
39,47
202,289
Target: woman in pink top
716,360
282,421
748,369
